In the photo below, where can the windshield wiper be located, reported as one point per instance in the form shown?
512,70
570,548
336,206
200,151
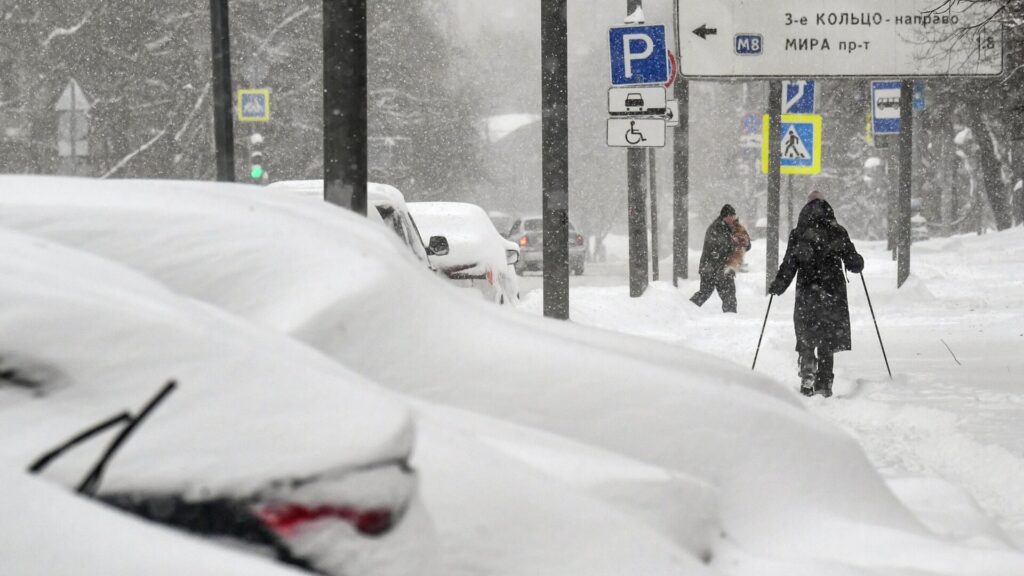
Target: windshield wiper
90,484
40,464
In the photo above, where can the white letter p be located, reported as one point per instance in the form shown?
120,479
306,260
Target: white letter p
628,56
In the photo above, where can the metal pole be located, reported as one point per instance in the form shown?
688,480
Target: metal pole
74,141
653,173
637,214
774,178
345,101
789,203
906,179
681,185
636,206
893,181
875,320
771,298
555,162
223,126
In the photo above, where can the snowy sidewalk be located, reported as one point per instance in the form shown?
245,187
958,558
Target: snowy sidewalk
948,431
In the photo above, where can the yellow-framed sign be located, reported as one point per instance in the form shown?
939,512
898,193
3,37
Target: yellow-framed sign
253,105
800,144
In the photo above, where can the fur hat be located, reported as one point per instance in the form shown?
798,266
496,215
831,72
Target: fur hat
727,210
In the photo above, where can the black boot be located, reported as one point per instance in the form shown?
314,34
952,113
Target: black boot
823,386
823,377
808,366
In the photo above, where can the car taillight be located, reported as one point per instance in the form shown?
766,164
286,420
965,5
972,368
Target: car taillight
490,277
524,241
287,519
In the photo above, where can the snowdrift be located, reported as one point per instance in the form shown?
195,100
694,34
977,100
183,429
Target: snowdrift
253,408
337,282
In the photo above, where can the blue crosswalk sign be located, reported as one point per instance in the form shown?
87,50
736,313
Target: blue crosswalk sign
799,145
639,55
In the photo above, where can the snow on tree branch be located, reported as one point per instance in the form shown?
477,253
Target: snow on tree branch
60,32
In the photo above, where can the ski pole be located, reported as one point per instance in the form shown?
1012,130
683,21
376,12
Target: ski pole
770,298
872,308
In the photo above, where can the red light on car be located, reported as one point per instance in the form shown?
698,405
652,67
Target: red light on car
287,519
490,277
524,241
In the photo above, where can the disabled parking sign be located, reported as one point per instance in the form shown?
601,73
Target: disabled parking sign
800,144
253,105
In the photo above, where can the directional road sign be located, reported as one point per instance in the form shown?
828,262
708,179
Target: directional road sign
796,38
636,132
800,144
637,101
253,105
798,97
639,55
885,107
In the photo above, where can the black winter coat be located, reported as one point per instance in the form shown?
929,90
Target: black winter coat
817,250
718,247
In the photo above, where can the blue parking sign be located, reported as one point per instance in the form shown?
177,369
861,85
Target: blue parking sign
639,55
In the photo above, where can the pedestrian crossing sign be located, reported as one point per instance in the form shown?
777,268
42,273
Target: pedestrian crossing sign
800,144
253,105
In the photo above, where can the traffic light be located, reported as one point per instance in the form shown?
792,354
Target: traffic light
256,165
256,171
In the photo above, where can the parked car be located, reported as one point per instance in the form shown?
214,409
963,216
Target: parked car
478,256
387,207
528,233
261,442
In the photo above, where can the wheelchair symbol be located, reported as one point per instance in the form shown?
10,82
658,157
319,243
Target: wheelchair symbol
634,136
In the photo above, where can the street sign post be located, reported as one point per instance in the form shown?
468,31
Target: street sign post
639,55
636,132
799,97
253,105
800,144
901,38
885,107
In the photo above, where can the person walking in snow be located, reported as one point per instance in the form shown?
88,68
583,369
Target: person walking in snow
818,249
714,271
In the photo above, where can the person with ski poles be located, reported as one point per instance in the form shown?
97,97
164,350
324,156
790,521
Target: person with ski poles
818,249
714,271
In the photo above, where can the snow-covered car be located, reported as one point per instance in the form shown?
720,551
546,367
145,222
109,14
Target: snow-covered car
47,531
528,233
261,442
387,207
478,256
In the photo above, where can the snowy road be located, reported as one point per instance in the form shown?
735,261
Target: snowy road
948,431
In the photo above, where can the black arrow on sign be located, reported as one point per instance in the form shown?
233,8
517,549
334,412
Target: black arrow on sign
704,31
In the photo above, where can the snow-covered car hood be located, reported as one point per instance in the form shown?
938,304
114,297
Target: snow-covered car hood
88,339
